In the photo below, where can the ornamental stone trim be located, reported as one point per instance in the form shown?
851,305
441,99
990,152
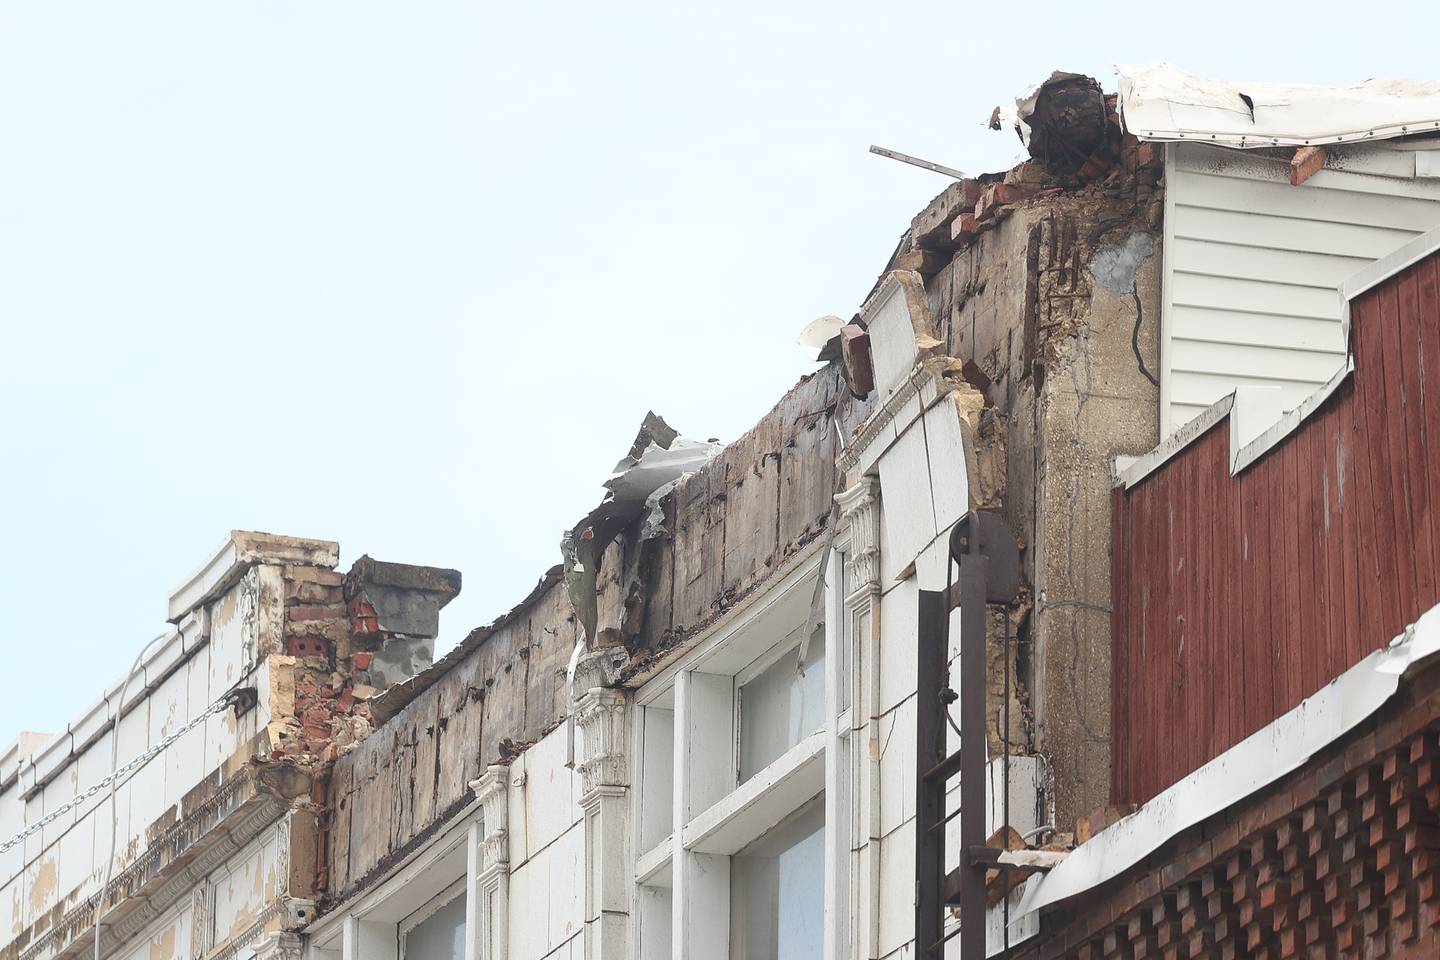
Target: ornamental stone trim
604,762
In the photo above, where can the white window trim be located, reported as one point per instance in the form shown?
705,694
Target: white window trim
711,821
442,899
370,926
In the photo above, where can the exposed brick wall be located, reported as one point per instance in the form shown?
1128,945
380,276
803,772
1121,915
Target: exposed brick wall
325,669
1339,860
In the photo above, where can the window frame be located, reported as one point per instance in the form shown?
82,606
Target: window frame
372,926
740,646
425,911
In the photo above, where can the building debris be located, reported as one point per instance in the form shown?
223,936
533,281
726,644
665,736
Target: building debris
592,752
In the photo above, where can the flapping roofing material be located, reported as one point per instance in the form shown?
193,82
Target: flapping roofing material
1159,101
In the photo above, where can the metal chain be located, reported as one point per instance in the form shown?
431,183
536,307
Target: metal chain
217,707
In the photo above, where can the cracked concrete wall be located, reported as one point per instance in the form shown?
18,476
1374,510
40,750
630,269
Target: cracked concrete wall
1058,305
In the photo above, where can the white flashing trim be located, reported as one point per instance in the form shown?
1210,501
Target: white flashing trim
1288,421
1245,446
1248,408
1256,762
1253,410
1406,255
1138,468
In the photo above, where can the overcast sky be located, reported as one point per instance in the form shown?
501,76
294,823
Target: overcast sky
408,275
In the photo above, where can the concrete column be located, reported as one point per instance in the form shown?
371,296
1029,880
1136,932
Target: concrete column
602,716
704,772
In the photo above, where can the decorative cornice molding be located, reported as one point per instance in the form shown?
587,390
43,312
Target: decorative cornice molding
246,937
601,716
174,866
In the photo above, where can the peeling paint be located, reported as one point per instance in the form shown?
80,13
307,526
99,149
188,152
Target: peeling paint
42,889
163,946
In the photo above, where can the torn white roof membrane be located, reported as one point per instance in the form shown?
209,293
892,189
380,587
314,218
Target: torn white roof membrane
1159,101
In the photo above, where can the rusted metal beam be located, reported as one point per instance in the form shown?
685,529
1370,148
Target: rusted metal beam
989,571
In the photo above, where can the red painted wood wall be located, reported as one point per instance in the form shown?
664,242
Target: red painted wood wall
1237,597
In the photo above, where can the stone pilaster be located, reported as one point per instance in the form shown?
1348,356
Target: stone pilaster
602,716
860,523
488,863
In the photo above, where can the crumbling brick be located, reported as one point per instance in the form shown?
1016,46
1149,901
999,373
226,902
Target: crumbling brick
931,226
923,261
964,228
1000,195
1306,162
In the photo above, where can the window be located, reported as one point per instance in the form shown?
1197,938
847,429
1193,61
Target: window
419,911
437,930
732,859
782,705
657,770
777,891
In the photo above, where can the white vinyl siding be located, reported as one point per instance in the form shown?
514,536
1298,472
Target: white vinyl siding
1252,265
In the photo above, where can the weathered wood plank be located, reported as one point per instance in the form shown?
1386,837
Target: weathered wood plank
751,469
807,475
1239,596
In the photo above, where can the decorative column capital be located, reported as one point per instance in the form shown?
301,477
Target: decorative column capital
491,790
604,761
280,946
860,514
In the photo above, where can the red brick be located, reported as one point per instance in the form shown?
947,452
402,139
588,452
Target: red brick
963,228
329,611
328,578
305,591
1306,162
999,195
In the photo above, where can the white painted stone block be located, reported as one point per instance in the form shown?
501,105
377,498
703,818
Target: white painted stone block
907,503
896,731
949,480
897,885
549,791
897,649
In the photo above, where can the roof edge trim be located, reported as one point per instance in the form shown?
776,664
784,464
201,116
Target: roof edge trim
1261,759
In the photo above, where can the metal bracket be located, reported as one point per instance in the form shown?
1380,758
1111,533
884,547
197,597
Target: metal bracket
988,558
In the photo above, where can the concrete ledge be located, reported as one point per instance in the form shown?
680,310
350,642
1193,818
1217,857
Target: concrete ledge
762,801
243,549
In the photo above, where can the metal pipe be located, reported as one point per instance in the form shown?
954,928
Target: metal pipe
115,765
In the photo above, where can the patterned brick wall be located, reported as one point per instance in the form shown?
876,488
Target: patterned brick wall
1340,860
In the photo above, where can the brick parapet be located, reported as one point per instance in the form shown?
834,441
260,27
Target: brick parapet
325,673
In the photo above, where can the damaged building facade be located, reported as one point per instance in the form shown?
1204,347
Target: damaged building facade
1136,381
